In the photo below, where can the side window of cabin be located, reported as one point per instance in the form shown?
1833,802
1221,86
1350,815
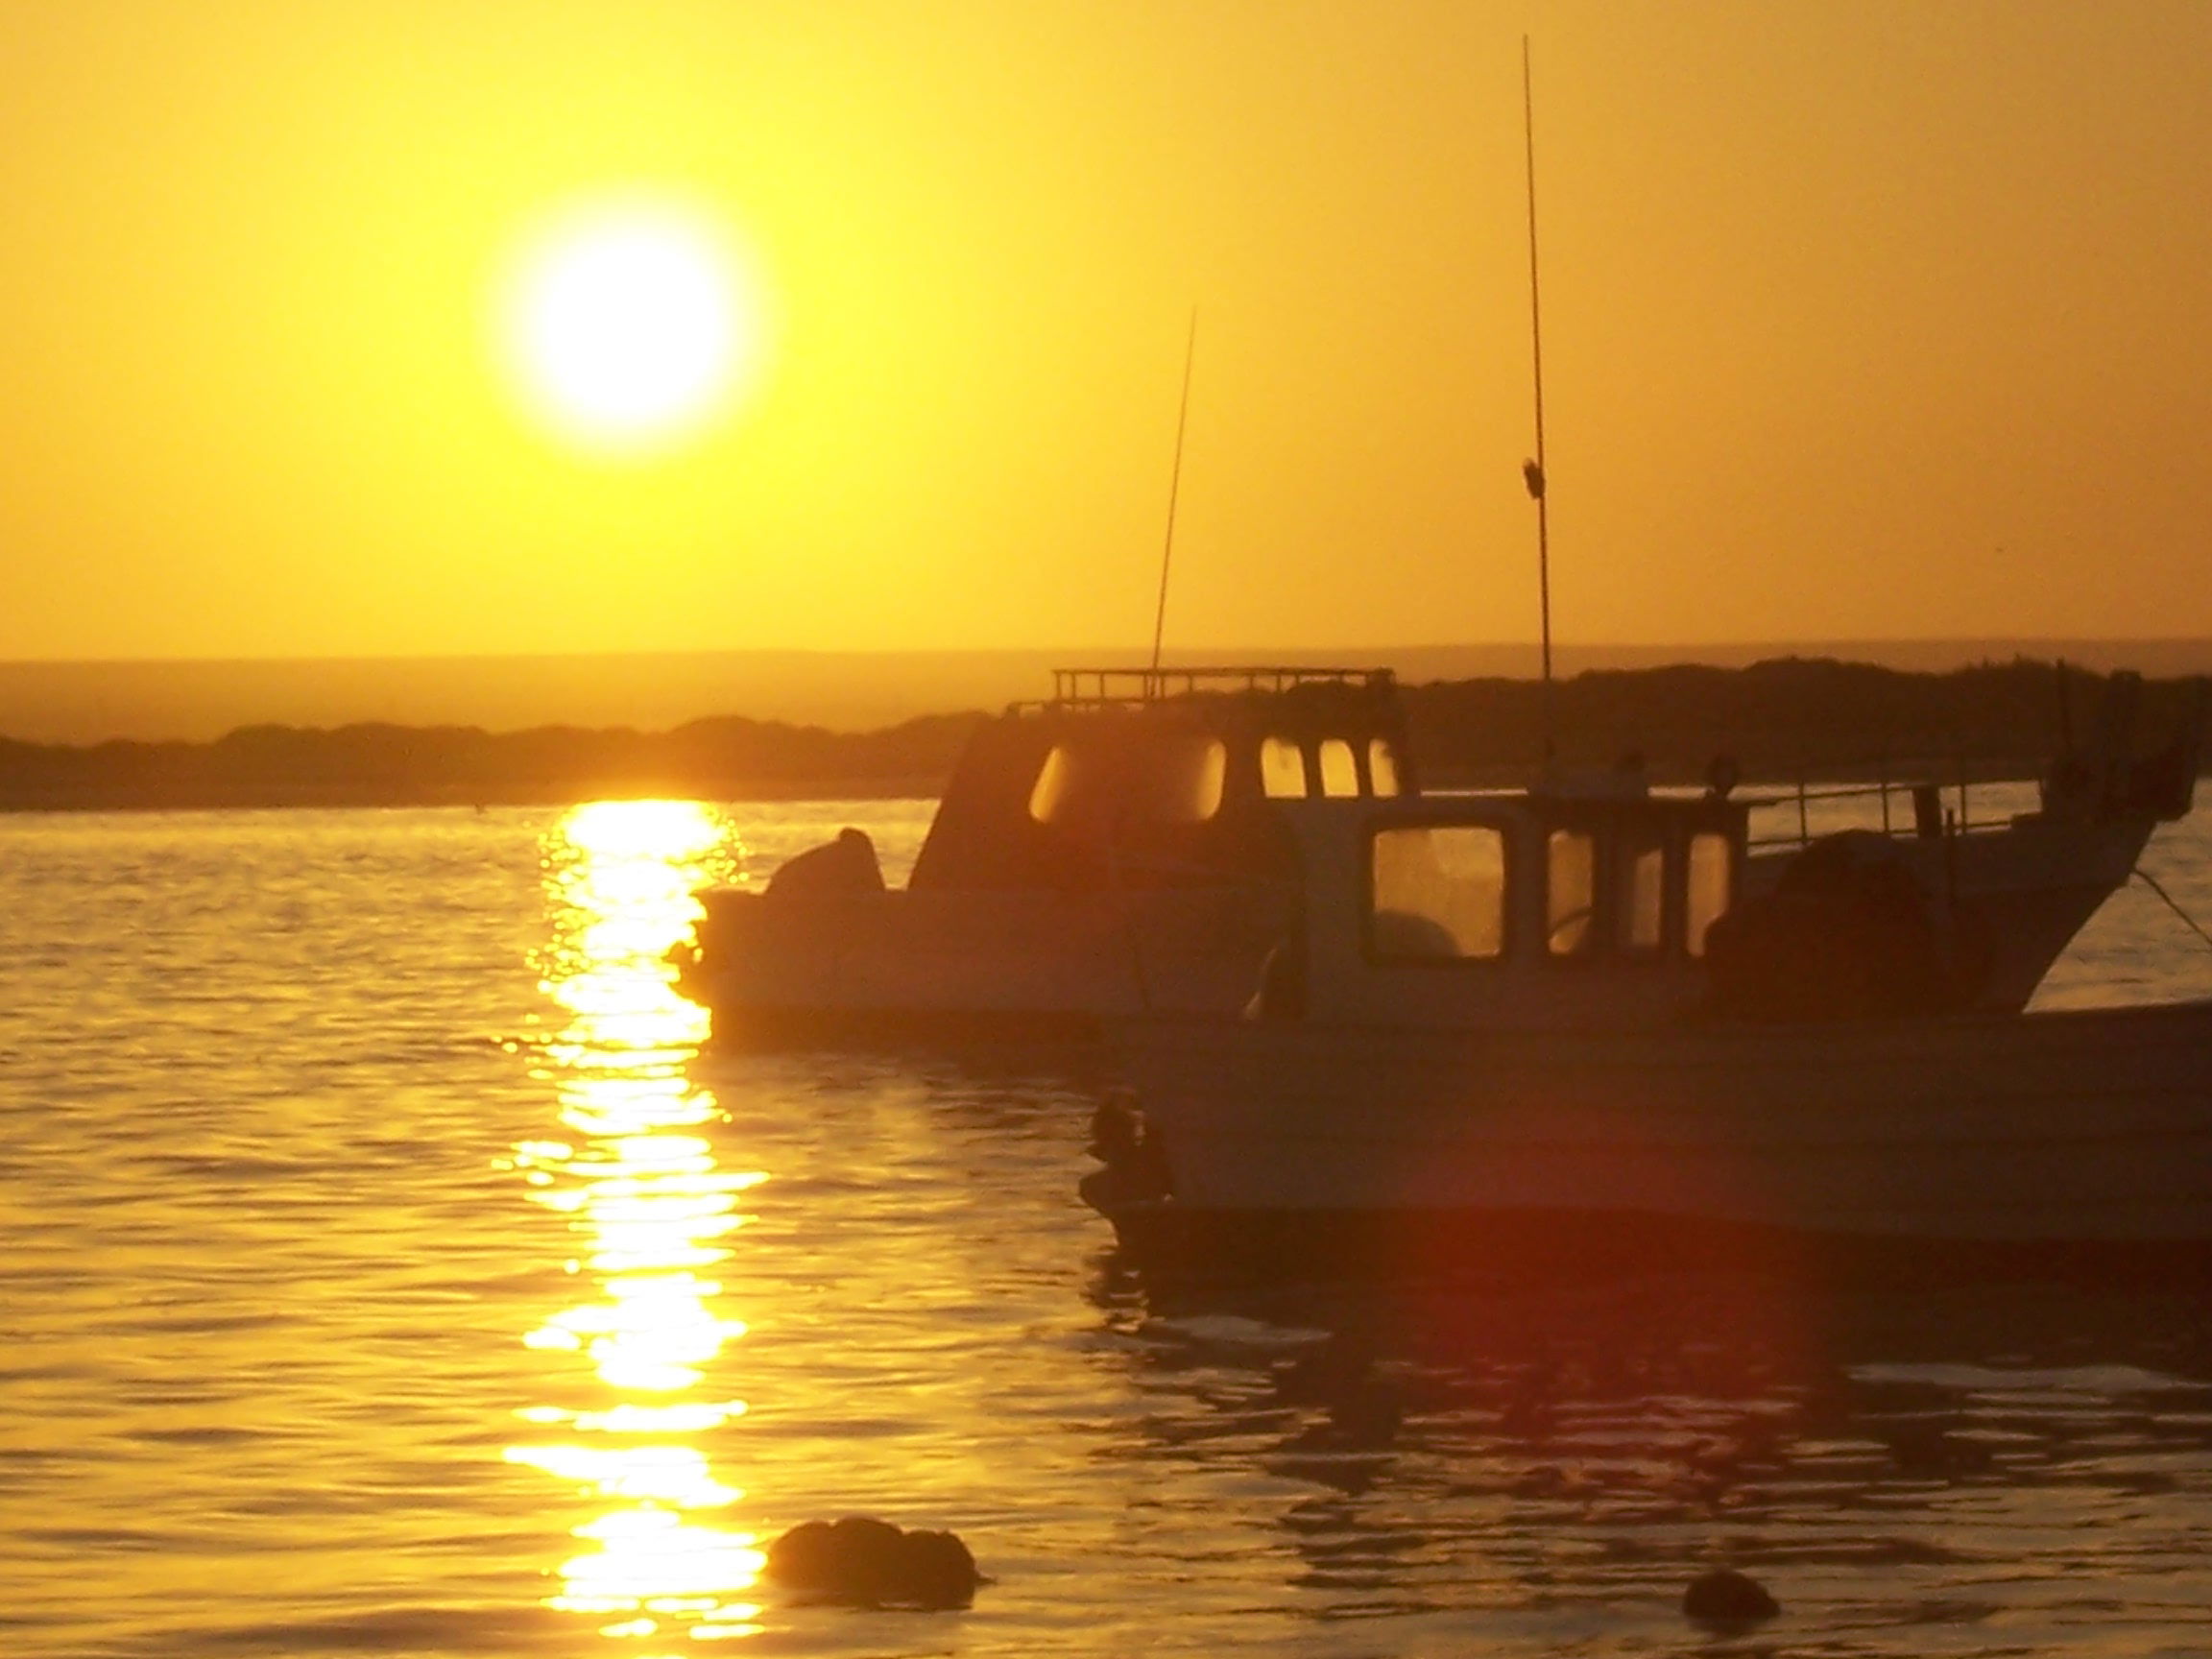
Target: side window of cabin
1570,891
1640,890
1180,780
1709,882
1190,784
1439,893
1383,765
1339,768
1282,769
1055,781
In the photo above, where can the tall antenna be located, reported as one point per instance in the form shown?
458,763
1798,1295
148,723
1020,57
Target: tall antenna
1174,487
1532,472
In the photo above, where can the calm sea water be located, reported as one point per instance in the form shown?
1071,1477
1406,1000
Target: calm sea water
387,1270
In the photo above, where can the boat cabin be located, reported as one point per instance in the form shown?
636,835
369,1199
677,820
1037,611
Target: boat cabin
1554,906
1135,779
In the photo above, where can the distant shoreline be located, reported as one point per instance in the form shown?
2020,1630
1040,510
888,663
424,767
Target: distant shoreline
1774,721
279,798
853,692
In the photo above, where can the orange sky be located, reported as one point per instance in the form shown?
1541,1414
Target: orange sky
1861,320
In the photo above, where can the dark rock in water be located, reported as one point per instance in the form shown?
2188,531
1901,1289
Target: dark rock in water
1721,1596
862,1562
1923,1451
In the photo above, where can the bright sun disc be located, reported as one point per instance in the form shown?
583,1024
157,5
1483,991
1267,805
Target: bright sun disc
628,327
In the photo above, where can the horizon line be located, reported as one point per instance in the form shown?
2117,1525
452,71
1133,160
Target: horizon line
1194,654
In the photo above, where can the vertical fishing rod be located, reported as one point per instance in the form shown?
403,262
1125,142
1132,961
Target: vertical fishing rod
1532,472
1174,486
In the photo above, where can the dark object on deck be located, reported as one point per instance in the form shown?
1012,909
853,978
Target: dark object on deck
1725,1598
861,1562
845,865
1847,933
2163,784
1135,1168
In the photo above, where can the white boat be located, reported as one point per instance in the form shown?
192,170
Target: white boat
1529,1023
1110,851
1126,847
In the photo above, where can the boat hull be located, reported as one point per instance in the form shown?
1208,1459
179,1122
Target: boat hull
1524,1246
2037,1133
2028,887
903,966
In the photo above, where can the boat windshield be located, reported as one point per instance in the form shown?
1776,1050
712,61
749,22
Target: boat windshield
1176,778
1570,891
1641,886
1709,885
1439,892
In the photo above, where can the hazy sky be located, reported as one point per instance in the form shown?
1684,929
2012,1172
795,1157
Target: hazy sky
1861,318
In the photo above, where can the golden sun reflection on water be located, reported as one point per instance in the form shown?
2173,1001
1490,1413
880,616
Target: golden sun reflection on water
652,1213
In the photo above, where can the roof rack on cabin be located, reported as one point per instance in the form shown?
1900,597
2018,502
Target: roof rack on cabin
1087,688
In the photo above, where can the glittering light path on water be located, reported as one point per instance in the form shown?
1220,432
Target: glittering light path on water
631,1361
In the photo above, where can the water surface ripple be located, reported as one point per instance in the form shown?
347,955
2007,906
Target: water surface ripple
387,1270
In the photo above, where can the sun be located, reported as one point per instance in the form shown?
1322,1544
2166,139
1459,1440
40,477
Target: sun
629,326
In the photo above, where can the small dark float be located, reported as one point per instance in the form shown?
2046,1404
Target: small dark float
862,1562
1725,1598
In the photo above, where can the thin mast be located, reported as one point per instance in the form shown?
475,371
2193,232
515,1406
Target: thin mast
1174,488
1532,472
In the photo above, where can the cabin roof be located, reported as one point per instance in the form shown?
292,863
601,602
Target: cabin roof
1099,688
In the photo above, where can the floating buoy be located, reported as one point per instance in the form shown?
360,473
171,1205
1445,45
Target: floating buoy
862,1562
1924,1452
1724,1596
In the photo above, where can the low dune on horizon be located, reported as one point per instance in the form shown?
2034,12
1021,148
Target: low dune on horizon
197,701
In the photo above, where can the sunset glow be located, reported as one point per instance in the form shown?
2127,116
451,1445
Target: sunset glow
353,330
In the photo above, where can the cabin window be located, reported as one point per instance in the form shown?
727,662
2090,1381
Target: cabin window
1709,884
1179,780
1570,891
1282,769
1206,777
1439,893
1383,765
1339,768
1640,890
1173,779
1055,781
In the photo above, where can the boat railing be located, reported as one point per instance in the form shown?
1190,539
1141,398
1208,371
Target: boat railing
1114,687
1904,801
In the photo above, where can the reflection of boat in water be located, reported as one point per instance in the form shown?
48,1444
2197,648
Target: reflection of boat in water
1125,848
1113,850
1558,1013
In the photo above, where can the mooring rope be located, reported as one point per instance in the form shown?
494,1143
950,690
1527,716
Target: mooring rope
2187,921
